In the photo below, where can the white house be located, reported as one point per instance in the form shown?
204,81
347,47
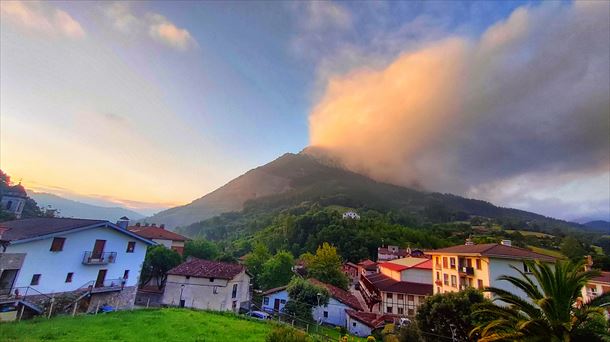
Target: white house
12,199
209,285
58,255
363,323
161,236
275,299
351,215
334,313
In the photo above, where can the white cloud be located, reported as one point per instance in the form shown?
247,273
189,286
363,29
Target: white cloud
153,25
41,18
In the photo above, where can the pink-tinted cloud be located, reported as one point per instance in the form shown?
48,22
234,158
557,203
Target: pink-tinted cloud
41,18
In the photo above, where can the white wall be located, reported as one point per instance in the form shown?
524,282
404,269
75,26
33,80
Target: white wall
281,295
416,275
54,266
164,242
355,327
336,313
199,292
498,267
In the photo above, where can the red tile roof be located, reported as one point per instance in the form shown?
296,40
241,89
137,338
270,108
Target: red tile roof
393,267
157,233
426,265
341,295
494,250
603,278
387,284
370,319
207,269
368,265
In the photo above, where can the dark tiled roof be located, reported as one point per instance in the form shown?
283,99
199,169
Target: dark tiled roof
341,295
207,269
274,290
603,278
368,265
157,233
399,252
387,284
494,250
370,319
34,227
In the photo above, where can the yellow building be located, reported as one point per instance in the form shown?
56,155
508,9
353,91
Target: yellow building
459,267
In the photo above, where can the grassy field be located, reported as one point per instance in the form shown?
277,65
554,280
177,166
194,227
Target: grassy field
139,325
526,233
545,251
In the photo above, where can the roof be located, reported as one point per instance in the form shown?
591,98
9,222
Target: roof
15,190
274,290
341,295
207,269
368,264
157,233
494,250
387,284
398,252
36,228
603,278
406,263
370,319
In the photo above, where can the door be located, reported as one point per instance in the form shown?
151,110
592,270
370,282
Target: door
276,305
101,276
98,249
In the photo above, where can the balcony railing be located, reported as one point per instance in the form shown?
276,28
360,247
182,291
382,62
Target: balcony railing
99,258
466,270
109,285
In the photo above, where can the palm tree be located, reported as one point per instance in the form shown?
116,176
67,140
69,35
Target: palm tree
552,311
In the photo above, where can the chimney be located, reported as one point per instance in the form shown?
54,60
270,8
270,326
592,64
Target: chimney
469,242
123,222
506,243
162,226
153,224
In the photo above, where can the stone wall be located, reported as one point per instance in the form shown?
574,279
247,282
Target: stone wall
121,300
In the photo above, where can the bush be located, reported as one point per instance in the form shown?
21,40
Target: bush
371,339
287,334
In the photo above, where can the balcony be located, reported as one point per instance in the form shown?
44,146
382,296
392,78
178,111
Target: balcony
465,270
109,285
99,258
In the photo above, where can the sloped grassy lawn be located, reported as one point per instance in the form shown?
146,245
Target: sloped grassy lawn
139,325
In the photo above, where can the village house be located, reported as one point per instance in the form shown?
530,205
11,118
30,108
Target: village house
363,324
400,286
596,286
161,236
459,267
12,199
45,257
334,313
351,271
366,267
351,215
394,252
208,285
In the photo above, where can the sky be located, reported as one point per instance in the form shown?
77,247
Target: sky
154,104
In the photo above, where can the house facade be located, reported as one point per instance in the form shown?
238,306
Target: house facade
208,285
596,287
58,255
275,299
364,323
12,199
399,288
161,236
459,267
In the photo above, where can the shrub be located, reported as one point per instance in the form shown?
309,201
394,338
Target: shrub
286,334
370,339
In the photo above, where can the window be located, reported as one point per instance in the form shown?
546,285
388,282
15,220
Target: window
453,281
478,263
389,296
353,324
445,262
126,274
234,293
438,261
438,275
445,279
401,296
469,262
234,305
480,284
266,300
325,314
282,301
410,298
9,204
211,280
401,311
452,260
35,279
215,290
58,244
131,246
388,309
69,277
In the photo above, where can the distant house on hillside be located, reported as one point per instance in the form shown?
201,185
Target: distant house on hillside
351,215
364,323
596,286
46,256
366,267
12,199
161,236
394,252
458,267
208,285
400,286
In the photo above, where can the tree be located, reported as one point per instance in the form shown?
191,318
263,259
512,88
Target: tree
303,297
441,313
572,248
255,260
552,311
201,249
157,262
277,271
325,266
